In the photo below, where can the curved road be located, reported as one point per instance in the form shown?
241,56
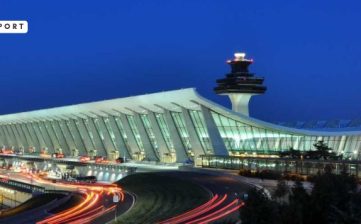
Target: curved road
226,190
98,206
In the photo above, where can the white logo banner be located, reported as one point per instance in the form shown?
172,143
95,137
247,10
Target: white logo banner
13,26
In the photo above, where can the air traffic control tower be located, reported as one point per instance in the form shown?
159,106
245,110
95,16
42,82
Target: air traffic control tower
240,85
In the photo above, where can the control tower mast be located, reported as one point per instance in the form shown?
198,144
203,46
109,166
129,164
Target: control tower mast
240,85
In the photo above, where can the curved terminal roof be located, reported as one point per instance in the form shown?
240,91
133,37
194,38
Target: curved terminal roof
156,102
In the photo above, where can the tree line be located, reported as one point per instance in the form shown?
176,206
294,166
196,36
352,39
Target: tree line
333,199
322,152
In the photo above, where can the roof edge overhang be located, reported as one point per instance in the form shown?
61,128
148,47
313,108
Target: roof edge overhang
171,100
126,105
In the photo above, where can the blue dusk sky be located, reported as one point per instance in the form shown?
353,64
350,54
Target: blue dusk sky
79,51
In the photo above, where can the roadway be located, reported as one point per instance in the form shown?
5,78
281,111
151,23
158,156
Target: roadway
97,206
223,205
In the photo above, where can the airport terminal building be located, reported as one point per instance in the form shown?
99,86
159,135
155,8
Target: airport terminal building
171,126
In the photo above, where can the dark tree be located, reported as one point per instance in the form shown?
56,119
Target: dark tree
299,205
333,199
259,209
333,194
323,150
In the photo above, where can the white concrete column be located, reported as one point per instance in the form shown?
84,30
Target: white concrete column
341,147
213,132
297,143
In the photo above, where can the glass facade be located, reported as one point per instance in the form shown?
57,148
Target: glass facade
121,130
111,132
87,128
240,137
71,131
200,126
165,131
182,130
83,133
98,129
282,165
135,132
150,132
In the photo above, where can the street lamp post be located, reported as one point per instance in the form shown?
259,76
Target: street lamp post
115,200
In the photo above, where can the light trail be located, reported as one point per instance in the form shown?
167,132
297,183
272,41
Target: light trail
90,218
223,214
204,219
91,207
191,212
83,215
199,211
86,211
215,209
73,213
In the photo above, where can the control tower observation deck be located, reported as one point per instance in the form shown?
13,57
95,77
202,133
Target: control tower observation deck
240,85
